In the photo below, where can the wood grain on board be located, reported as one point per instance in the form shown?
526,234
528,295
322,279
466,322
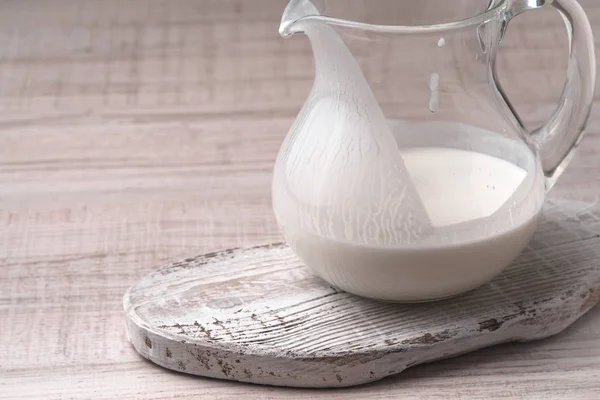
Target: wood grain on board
138,132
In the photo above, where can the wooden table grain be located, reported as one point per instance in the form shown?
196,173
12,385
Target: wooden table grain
137,132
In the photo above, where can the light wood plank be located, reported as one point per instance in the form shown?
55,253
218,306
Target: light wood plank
137,132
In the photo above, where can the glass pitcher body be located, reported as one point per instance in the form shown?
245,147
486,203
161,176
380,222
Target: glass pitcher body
407,175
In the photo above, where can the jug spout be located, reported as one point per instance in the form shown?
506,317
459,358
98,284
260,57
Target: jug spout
295,12
341,162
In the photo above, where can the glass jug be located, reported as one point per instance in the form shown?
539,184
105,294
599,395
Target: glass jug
407,175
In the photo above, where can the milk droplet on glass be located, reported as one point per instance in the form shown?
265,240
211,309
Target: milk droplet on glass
441,42
434,83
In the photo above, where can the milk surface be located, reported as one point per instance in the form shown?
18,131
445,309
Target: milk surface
457,185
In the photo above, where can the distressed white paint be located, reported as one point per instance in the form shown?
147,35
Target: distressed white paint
258,315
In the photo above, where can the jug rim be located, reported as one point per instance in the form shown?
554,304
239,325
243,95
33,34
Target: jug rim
285,28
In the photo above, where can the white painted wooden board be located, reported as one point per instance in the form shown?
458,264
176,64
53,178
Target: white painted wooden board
258,315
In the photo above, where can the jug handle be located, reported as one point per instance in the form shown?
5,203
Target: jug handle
558,138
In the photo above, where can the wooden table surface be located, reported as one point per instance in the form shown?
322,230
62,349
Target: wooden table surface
137,132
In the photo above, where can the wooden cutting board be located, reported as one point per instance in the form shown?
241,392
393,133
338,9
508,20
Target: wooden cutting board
258,315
